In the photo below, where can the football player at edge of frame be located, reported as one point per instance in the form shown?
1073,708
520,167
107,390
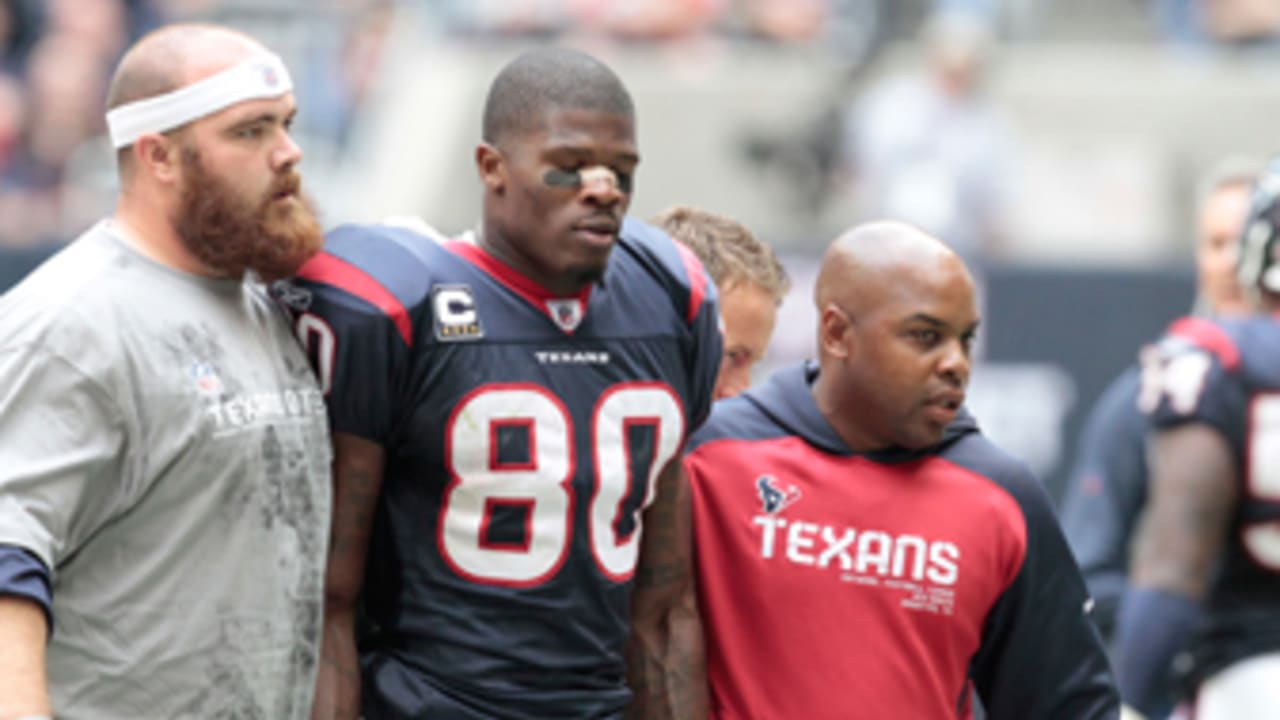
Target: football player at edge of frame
1205,573
1108,484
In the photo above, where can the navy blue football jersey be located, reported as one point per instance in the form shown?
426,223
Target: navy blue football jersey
837,584
523,435
1225,373
1106,492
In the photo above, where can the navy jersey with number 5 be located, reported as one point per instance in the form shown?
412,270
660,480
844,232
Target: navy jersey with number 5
523,434
1226,373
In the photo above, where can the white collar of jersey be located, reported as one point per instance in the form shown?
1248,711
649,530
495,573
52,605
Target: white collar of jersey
261,76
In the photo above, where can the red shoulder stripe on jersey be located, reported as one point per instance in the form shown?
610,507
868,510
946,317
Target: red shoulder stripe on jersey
697,281
332,270
1210,337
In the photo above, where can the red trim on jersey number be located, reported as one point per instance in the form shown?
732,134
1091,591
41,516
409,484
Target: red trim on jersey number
496,426
655,423
1257,491
651,482
1210,337
565,484
333,270
520,546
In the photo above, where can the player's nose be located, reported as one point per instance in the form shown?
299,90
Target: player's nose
287,153
955,363
600,184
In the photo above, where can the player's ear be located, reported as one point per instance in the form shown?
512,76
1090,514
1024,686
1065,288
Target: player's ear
158,156
492,168
835,336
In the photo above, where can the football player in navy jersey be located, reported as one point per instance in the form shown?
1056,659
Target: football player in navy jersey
1108,484
749,279
1205,571
862,550
508,410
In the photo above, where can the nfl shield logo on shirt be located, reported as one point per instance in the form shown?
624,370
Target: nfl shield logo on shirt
206,378
566,312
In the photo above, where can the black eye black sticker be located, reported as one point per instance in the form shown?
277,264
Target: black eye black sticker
556,177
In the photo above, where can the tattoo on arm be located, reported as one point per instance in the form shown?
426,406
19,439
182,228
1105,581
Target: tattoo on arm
666,549
354,507
665,658
357,485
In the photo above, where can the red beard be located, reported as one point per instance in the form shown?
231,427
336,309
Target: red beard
230,236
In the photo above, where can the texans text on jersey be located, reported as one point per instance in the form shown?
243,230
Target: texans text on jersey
924,571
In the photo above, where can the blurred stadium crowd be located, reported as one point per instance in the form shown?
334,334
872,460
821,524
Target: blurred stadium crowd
55,56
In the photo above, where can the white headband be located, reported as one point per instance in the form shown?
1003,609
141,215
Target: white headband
261,76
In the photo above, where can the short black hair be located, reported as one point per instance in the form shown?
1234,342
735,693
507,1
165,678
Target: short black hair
550,78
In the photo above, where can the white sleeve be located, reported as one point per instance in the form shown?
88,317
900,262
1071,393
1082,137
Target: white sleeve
62,442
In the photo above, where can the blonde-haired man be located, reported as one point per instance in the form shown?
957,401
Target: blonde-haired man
749,278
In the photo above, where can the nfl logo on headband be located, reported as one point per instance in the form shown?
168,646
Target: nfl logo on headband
261,76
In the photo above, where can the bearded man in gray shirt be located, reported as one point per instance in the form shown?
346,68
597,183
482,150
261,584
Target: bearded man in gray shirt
164,459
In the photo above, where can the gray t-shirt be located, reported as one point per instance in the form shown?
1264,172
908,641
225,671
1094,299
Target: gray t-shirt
164,450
